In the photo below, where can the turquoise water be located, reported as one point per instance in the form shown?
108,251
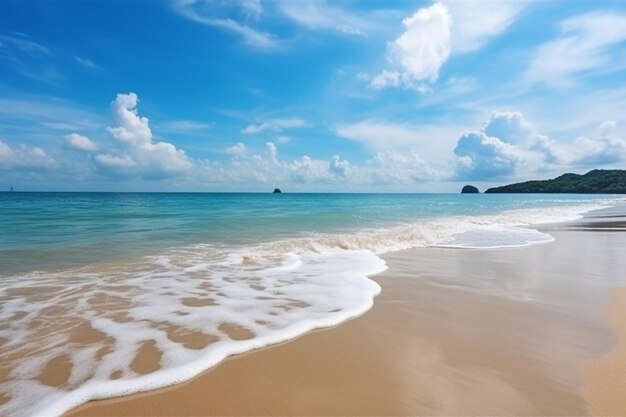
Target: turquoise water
56,230
136,270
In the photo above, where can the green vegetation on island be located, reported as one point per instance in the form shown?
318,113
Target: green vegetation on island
598,181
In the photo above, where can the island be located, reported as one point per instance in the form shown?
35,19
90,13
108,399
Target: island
277,191
598,181
469,189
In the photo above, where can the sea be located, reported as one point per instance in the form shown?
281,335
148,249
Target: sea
109,294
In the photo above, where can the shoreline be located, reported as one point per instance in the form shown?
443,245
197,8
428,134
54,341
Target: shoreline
533,386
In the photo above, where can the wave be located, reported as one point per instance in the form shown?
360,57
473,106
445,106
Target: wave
111,329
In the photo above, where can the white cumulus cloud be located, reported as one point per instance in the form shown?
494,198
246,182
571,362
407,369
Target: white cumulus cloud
421,50
24,158
506,145
138,155
479,156
509,126
237,149
607,148
432,34
80,143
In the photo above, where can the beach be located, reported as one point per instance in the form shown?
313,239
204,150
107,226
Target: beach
535,330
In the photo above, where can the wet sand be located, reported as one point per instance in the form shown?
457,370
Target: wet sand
455,332
606,376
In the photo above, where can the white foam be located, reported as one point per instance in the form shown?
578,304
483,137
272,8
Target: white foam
507,229
273,302
270,293
495,237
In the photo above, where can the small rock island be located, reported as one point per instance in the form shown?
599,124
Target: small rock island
277,191
469,189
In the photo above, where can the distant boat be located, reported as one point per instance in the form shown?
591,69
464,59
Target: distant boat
11,189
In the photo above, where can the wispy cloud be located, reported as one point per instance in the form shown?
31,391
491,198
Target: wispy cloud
476,23
320,15
586,45
275,125
25,44
380,135
87,63
229,16
189,126
49,113
29,58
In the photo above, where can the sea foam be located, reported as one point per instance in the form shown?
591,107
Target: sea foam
112,329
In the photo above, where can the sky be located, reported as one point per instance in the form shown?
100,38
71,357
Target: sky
308,96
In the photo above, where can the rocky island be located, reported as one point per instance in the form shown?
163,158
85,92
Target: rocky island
469,189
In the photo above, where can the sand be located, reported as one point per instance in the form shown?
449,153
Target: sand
455,332
606,376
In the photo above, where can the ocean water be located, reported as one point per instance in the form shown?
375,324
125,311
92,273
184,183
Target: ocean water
106,294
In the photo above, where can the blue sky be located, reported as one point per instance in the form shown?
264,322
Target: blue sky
248,95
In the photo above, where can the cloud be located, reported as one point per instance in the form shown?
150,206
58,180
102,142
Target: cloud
227,16
436,141
510,127
29,58
479,156
319,15
275,125
421,50
25,44
379,135
49,112
237,149
185,126
80,143
431,34
138,155
24,158
117,162
513,128
87,62
506,144
252,8
339,167
477,23
585,45
131,129
268,168
392,167
605,149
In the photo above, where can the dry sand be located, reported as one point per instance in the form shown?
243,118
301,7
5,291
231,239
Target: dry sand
454,332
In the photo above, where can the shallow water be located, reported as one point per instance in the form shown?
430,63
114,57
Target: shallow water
109,294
